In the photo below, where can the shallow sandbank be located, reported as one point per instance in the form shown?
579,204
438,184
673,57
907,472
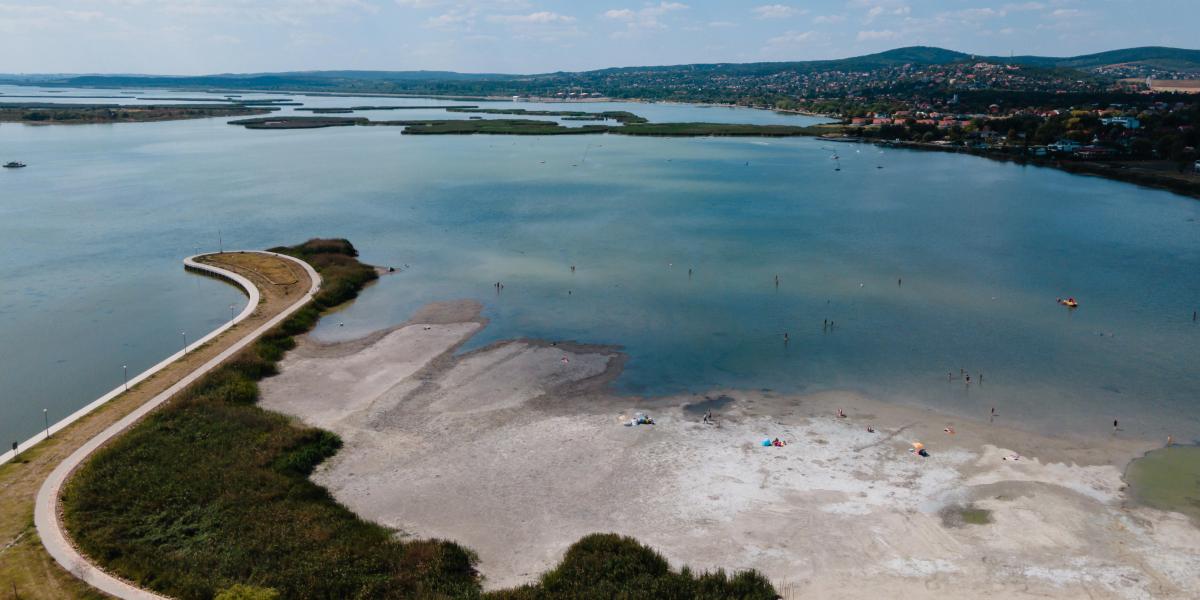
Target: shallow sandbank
518,449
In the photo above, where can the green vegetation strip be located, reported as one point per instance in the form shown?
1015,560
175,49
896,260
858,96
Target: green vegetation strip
536,127
210,497
616,115
50,113
350,109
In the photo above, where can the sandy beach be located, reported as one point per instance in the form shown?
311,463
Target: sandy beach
520,448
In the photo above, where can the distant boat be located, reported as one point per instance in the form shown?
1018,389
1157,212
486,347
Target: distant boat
14,165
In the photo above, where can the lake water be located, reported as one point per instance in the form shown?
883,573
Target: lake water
92,234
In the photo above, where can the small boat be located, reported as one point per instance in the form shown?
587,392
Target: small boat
14,165
1069,303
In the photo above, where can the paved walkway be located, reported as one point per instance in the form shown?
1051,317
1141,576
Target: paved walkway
46,508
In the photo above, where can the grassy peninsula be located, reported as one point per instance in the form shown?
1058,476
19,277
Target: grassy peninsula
538,127
239,510
69,114
299,122
621,116
350,109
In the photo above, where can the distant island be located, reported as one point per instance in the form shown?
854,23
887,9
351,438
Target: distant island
70,114
635,125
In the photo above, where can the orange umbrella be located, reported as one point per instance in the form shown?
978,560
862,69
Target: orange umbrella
918,446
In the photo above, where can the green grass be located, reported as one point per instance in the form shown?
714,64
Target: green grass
298,122
633,125
491,126
210,497
620,116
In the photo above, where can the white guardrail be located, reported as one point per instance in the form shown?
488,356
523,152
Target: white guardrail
46,508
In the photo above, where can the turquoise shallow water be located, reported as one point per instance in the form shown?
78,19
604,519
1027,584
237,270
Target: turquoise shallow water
91,236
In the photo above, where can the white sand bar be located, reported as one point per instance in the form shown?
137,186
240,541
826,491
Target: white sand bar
516,453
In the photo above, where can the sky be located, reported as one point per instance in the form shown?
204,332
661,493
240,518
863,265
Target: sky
536,36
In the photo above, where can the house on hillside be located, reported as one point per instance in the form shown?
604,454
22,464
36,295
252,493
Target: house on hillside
1126,122
1064,146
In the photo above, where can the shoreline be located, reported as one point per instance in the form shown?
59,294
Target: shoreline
48,509
190,263
1101,169
515,449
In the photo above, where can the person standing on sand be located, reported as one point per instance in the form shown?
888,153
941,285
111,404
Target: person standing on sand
1115,425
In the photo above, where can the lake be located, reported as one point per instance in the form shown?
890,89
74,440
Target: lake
925,262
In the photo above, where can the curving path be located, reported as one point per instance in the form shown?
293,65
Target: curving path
46,508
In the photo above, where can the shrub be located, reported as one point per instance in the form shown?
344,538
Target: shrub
246,592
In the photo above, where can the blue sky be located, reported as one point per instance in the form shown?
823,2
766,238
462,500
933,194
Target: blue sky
524,36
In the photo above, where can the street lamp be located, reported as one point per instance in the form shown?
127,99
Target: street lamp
125,370
184,334
46,416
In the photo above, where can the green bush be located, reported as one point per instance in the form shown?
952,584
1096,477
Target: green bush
602,566
246,592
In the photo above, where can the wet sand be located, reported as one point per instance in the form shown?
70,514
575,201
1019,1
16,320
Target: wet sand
518,449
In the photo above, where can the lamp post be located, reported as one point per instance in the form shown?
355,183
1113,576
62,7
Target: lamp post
46,417
125,371
184,335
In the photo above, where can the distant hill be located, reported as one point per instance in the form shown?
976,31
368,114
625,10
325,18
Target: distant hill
717,82
1161,57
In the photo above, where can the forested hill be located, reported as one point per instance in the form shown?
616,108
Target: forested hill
724,82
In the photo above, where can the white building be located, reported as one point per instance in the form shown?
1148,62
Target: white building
1064,146
1126,122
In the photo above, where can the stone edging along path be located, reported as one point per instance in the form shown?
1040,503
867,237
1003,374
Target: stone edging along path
46,507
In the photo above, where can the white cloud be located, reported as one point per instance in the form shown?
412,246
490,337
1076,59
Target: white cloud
17,18
979,14
622,14
777,11
884,34
1024,6
828,19
643,19
791,38
1066,13
291,12
541,17
882,10
716,24
421,3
